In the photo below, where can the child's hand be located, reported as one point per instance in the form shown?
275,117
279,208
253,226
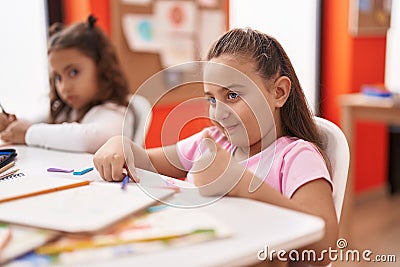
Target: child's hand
216,172
110,159
5,120
15,132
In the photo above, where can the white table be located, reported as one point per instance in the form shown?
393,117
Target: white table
255,224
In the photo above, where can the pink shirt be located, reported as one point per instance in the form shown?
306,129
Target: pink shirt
286,165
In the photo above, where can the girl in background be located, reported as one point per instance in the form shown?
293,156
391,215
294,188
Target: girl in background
264,134
88,93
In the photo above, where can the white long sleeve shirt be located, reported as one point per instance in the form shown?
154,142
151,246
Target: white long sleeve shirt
97,126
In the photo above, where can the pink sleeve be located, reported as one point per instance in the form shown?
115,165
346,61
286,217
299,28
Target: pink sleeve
302,164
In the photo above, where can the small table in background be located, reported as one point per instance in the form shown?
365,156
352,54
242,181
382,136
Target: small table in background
359,107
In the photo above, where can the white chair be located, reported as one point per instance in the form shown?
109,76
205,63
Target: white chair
337,151
142,111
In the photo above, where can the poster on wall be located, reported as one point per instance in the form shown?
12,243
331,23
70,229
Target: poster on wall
175,16
212,25
208,3
176,51
139,32
369,17
176,22
137,2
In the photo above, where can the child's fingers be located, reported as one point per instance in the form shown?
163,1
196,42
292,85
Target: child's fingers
11,117
129,163
98,165
6,136
208,153
101,171
105,170
132,173
3,122
209,143
116,167
109,167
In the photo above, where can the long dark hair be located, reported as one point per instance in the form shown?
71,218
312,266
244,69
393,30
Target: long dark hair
92,42
272,61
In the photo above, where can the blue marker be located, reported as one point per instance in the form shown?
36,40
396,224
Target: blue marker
125,181
83,171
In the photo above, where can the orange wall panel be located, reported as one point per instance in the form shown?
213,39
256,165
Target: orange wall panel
79,10
371,155
336,57
368,61
160,114
76,10
101,9
347,63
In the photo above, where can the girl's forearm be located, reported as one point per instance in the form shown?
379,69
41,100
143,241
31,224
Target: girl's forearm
263,192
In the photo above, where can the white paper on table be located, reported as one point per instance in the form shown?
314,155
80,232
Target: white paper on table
84,209
139,32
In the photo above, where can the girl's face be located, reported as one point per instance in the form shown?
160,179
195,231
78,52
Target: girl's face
75,77
241,102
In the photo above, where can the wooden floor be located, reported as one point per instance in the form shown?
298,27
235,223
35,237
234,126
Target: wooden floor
376,227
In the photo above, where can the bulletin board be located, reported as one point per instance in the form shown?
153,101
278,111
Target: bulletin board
152,35
369,17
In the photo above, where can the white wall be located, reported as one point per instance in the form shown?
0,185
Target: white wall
23,57
295,24
392,68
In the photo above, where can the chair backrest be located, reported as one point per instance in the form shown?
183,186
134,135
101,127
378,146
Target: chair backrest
142,111
338,153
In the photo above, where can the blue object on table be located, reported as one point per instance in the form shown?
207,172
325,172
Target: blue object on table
125,181
7,156
83,171
371,90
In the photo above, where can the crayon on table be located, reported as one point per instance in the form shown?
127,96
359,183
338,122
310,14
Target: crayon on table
5,175
59,170
83,171
125,181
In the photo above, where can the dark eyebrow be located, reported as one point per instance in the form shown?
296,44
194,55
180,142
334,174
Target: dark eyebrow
232,86
228,87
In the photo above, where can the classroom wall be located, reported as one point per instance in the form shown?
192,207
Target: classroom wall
392,66
297,29
24,78
347,62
